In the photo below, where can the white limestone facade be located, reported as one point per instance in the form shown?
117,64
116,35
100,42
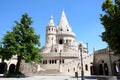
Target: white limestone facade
62,54
61,51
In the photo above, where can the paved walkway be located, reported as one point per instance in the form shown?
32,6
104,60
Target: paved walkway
45,78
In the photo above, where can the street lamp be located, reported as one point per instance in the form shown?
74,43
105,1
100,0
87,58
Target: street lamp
82,71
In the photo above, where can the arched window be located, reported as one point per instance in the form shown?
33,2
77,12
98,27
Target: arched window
44,61
106,69
86,67
61,29
3,67
66,41
60,50
50,61
63,61
52,29
60,41
55,50
68,70
73,69
55,61
100,69
67,29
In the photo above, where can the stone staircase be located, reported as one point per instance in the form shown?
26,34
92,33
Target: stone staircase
49,72
64,67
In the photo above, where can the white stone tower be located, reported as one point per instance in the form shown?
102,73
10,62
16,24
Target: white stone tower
61,52
64,31
51,33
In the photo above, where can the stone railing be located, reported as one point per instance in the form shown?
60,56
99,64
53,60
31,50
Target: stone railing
60,54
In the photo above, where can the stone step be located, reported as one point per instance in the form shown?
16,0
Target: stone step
48,72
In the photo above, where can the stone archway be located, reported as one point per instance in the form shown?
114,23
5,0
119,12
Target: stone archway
106,71
92,70
100,69
103,68
3,67
12,68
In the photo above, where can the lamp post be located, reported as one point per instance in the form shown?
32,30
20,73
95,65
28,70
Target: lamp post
82,71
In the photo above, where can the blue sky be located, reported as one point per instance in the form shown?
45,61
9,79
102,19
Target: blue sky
83,16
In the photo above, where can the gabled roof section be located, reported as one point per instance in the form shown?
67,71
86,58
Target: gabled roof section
51,22
63,22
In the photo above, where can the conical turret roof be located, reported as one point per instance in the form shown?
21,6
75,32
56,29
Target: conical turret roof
63,22
51,22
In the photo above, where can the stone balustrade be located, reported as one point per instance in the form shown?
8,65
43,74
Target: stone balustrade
60,54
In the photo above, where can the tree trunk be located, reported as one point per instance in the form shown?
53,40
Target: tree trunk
19,59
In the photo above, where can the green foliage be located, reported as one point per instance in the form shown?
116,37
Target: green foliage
111,22
22,41
4,52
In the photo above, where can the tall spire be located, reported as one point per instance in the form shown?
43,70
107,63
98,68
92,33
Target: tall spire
63,23
51,22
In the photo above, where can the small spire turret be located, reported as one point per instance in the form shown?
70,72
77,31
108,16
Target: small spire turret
51,22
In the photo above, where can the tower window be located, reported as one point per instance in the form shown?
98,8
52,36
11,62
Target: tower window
60,50
86,67
60,41
55,50
44,61
67,29
50,61
66,41
55,61
68,70
73,69
63,61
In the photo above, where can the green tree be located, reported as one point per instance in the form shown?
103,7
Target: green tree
111,22
4,54
22,41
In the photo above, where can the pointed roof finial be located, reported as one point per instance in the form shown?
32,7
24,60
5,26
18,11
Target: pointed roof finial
63,22
51,22
51,17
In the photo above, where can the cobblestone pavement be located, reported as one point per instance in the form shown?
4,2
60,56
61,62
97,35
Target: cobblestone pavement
45,78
